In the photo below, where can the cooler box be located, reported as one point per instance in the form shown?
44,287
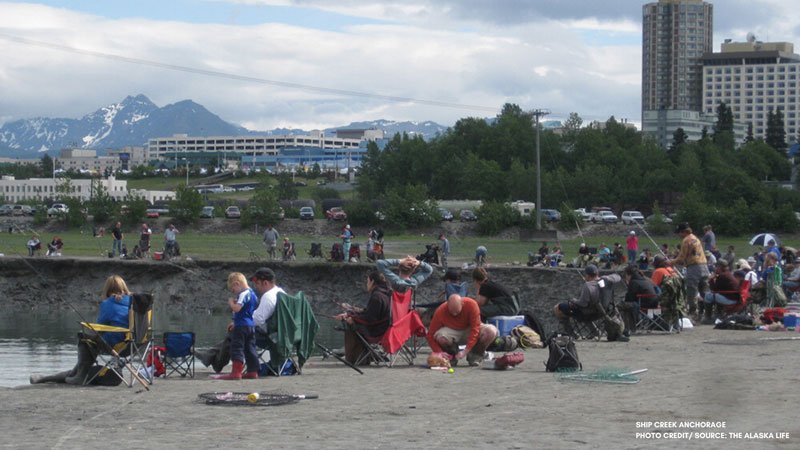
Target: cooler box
504,324
158,256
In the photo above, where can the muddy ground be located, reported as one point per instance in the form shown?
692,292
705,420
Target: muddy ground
699,382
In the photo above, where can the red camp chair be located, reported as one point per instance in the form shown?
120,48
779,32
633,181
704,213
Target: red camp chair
405,325
742,295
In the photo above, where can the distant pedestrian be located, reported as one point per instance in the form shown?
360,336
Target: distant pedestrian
346,236
444,248
632,244
709,238
480,255
117,236
271,237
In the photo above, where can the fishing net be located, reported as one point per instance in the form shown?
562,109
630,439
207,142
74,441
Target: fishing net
251,398
605,375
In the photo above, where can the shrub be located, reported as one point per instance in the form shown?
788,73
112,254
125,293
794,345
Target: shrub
493,217
360,213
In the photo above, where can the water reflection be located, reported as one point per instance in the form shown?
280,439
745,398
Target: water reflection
43,340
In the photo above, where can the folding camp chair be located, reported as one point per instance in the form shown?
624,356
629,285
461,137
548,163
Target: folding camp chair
316,251
133,351
179,353
651,319
292,329
399,340
742,295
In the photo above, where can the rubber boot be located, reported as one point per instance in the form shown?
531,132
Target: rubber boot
707,315
55,378
85,362
236,372
250,375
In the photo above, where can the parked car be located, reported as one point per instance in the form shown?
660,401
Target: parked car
152,213
56,209
629,217
336,213
467,215
233,212
583,214
652,218
551,215
445,214
21,210
306,213
605,217
300,183
5,210
207,212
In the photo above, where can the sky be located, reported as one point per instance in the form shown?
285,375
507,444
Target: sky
309,64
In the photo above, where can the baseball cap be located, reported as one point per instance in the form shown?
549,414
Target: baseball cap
591,269
683,226
263,273
632,233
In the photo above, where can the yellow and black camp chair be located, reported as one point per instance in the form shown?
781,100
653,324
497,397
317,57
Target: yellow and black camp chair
132,352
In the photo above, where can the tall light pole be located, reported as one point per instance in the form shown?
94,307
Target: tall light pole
537,113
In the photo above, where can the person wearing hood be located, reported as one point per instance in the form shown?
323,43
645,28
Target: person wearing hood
641,293
346,236
372,321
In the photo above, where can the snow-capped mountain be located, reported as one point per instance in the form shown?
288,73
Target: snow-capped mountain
135,120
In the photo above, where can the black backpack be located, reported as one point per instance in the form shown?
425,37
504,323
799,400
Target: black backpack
563,354
535,324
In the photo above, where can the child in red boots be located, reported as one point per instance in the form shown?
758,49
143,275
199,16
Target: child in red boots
242,328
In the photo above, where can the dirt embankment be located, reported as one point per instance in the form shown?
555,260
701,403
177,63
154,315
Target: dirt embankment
201,284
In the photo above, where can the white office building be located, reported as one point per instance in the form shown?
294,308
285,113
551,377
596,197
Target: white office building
46,189
753,78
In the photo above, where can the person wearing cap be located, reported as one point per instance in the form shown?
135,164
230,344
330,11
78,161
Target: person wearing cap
171,240
411,272
641,293
346,236
263,281
584,308
632,245
746,266
693,258
271,237
724,291
662,269
370,322
493,298
444,250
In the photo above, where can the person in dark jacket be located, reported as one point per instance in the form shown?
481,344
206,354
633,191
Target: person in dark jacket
724,291
641,293
371,322
493,298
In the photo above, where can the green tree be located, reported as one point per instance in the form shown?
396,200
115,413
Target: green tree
494,217
47,165
135,210
776,133
410,207
285,190
679,138
100,205
187,204
749,137
263,208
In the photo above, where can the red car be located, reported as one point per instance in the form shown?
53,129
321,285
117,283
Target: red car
152,214
336,213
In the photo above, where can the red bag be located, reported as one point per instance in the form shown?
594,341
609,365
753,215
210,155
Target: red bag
156,360
771,315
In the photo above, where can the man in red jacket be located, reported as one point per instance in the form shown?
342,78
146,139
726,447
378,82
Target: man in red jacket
458,322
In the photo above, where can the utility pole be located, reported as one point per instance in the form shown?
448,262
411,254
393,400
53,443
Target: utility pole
537,113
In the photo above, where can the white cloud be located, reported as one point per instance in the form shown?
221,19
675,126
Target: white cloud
553,55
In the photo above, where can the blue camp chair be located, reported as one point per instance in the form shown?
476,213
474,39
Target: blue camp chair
179,353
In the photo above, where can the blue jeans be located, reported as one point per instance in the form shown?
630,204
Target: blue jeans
712,297
243,347
116,247
631,256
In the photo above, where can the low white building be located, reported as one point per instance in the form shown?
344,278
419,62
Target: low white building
44,189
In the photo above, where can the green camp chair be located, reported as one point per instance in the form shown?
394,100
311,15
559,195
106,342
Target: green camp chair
292,329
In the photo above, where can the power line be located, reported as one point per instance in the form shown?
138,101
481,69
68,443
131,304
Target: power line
232,76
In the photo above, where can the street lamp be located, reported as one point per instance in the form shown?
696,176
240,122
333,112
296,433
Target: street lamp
537,113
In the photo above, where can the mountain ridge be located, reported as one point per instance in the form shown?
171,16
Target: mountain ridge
136,119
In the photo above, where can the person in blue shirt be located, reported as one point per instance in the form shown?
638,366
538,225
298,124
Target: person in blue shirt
346,236
242,328
114,312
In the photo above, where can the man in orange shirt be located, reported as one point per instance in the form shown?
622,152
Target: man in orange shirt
458,322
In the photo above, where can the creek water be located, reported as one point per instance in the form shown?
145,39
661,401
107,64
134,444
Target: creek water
44,340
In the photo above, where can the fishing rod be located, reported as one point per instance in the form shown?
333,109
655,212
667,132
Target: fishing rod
657,246
85,323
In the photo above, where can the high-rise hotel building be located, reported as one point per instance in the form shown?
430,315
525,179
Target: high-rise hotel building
675,35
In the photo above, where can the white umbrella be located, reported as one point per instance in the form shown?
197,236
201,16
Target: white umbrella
762,239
